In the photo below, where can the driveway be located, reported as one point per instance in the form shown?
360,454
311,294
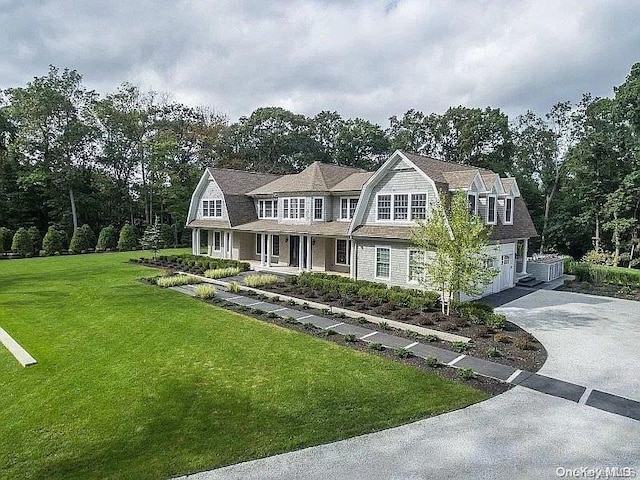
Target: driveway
591,341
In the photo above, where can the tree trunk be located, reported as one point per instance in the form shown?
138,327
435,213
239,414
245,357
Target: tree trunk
616,240
74,214
596,244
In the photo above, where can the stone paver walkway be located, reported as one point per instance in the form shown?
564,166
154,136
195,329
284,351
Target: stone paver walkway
505,373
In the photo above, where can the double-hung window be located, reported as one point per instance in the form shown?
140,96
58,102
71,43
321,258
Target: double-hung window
472,202
343,252
382,262
293,208
384,207
212,208
491,209
275,244
318,208
401,206
416,266
508,210
418,206
347,208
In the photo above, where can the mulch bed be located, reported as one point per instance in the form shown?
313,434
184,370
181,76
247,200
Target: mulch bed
516,347
604,290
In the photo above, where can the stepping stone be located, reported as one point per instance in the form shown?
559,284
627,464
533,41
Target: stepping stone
246,301
389,341
425,351
290,312
614,404
270,307
346,329
487,368
321,322
553,386
188,290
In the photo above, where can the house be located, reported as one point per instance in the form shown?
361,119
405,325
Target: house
353,222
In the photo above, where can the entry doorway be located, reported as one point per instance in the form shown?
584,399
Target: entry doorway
294,250
506,272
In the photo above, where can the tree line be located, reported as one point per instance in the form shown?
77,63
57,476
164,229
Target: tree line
71,157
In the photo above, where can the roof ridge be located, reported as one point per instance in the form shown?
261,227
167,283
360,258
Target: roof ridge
243,171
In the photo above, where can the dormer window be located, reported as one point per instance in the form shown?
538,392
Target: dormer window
472,202
268,209
212,208
508,210
492,201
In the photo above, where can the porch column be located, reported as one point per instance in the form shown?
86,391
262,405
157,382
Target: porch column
301,254
260,238
525,247
196,241
265,254
209,242
352,260
230,244
269,240
309,259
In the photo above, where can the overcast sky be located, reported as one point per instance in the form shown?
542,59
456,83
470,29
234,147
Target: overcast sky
369,59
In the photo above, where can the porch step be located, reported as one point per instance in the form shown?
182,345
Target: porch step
528,281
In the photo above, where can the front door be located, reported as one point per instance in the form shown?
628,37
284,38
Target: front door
506,273
294,250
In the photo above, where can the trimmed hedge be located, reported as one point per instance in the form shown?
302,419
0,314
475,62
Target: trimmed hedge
586,272
5,239
108,238
128,239
54,241
205,263
83,239
345,287
22,243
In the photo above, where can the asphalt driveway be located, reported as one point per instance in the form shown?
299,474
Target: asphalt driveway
591,341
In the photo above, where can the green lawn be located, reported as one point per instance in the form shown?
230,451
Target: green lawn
138,382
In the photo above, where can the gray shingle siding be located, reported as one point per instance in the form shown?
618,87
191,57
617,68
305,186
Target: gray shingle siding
212,192
398,262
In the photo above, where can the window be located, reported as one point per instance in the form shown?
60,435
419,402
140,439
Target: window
275,246
347,208
258,243
293,208
343,252
212,208
508,210
418,206
384,207
318,208
416,266
401,207
217,241
267,208
491,209
473,204
382,262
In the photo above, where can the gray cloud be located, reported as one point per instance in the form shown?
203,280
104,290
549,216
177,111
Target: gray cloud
370,59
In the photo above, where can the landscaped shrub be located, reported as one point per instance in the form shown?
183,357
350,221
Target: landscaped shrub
502,338
233,287
222,272
459,347
494,352
524,344
376,346
108,238
22,243
432,361
496,321
176,280
206,263
83,239
596,274
466,373
431,338
598,257
475,313
350,337
5,239
402,352
36,240
54,241
128,239
260,280
204,291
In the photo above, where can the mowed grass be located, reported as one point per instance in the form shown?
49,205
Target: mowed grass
134,381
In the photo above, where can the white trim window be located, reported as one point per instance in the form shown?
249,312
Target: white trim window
293,208
318,208
212,208
508,210
268,208
258,243
418,206
217,241
472,202
383,210
275,245
343,251
492,207
415,266
348,207
383,262
401,206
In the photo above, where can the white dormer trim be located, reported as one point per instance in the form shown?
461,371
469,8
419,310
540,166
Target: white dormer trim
367,188
196,199
514,190
478,182
496,187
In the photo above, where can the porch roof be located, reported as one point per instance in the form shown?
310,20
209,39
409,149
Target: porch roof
328,229
208,224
